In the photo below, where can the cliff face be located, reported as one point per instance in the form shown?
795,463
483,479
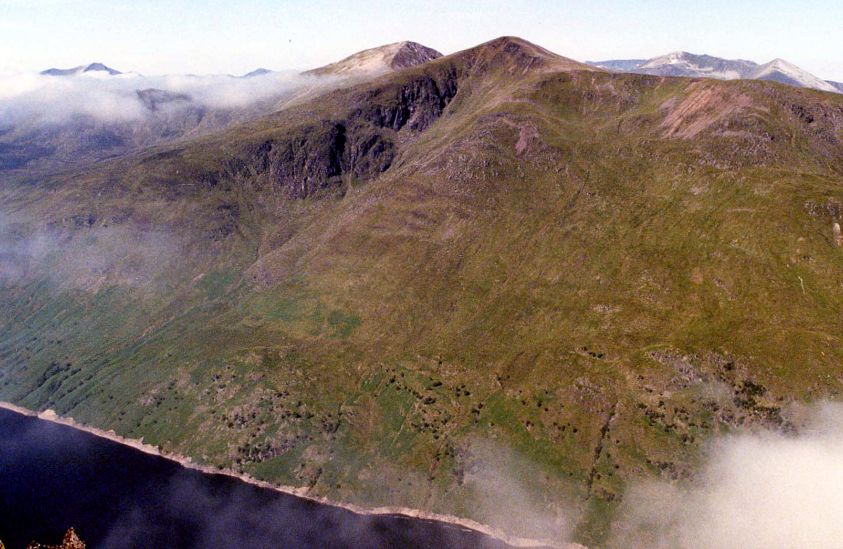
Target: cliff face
360,143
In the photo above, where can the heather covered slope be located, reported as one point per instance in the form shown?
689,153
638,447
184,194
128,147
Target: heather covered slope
499,276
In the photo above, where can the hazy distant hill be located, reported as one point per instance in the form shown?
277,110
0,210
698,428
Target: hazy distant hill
92,68
706,66
838,85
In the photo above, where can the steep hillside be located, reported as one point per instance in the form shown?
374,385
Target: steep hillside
499,284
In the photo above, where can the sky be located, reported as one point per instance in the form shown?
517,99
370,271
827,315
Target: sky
215,36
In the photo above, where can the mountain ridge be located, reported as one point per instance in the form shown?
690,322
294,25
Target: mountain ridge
377,60
82,69
682,63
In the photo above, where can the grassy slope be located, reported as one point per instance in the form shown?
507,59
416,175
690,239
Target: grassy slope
597,272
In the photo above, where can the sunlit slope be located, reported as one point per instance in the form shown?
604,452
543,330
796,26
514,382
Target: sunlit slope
593,271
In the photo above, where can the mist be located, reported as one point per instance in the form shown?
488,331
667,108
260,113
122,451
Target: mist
38,98
509,492
755,490
88,258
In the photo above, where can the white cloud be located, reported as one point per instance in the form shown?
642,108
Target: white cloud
39,98
757,490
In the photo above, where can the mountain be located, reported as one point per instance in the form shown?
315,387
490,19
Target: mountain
838,85
499,284
95,68
688,64
619,65
400,55
784,72
705,66
256,72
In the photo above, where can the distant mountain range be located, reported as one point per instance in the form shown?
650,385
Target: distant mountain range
682,63
382,59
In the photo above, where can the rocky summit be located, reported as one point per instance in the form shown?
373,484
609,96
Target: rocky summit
499,275
400,55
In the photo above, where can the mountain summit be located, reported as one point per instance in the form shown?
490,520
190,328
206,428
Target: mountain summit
779,70
683,63
513,53
93,67
400,55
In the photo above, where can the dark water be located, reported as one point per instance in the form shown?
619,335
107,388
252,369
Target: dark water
53,477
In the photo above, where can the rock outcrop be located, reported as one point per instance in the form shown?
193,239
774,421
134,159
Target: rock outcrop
360,144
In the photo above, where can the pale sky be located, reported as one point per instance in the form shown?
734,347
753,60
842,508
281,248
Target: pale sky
236,36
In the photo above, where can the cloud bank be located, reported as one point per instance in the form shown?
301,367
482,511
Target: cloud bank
125,255
756,490
508,492
53,99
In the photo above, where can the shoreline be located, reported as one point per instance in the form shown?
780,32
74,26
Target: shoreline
300,492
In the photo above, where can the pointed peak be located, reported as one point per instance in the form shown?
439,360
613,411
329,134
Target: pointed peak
518,53
373,61
260,71
100,67
779,62
410,54
785,72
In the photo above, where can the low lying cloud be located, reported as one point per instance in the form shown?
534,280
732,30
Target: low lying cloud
86,259
756,490
51,99
509,493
